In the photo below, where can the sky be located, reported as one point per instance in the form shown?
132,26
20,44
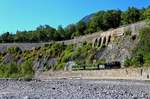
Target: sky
28,14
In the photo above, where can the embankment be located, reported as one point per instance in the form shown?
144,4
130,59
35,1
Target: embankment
130,73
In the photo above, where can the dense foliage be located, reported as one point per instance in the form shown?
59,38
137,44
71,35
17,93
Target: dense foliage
13,70
101,21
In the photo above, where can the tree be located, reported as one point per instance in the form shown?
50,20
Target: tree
96,23
33,36
100,21
45,33
69,30
61,32
80,28
111,19
22,36
142,16
132,15
104,20
146,15
6,37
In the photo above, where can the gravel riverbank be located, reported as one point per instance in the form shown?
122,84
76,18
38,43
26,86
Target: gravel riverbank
74,89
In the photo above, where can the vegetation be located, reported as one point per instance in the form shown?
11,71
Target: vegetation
80,54
132,15
22,63
141,54
14,70
103,20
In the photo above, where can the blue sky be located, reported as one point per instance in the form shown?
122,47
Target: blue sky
28,14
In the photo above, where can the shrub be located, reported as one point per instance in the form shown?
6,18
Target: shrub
127,62
47,67
27,69
90,59
15,71
59,66
9,70
12,69
14,50
67,57
101,62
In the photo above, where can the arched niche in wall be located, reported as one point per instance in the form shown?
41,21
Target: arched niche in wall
95,42
99,41
104,40
109,39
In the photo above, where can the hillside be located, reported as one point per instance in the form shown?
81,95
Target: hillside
115,41
98,48
103,54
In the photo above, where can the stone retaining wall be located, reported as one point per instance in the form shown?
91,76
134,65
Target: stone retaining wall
130,73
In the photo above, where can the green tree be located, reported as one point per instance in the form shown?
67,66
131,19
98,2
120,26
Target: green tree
146,15
111,19
22,36
104,20
33,36
6,37
101,21
80,28
96,23
142,16
61,32
70,29
132,15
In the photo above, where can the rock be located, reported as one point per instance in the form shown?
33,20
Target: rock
26,97
69,66
8,59
74,89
